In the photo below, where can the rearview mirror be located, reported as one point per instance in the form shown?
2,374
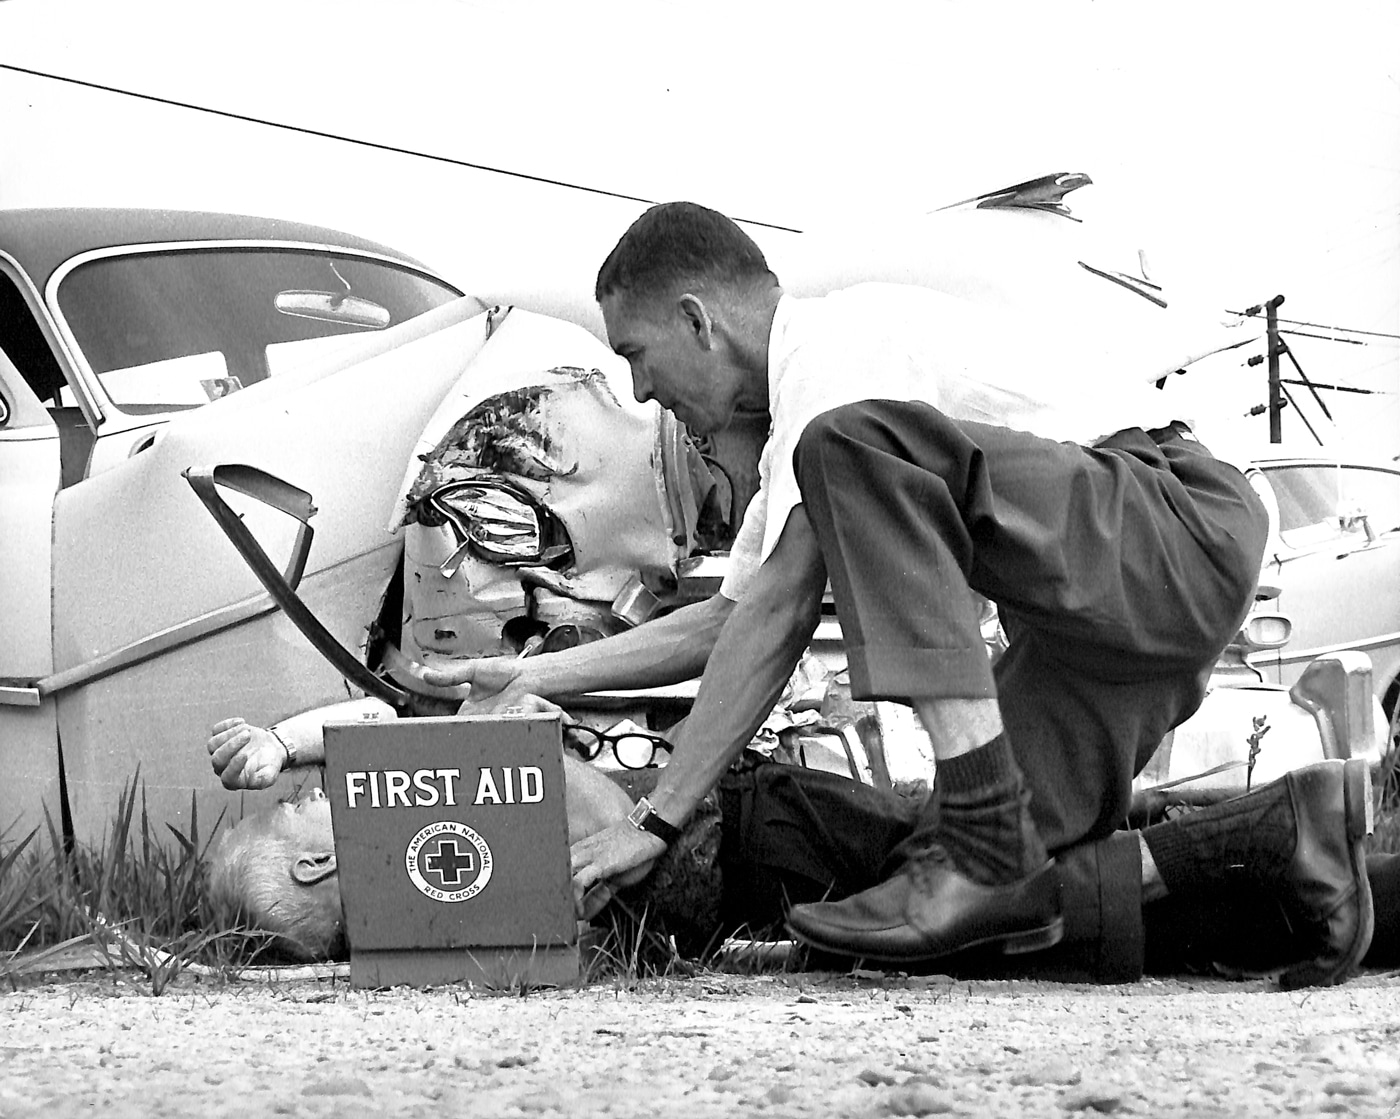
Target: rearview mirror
333,307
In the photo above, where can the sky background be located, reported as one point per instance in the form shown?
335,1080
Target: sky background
1254,146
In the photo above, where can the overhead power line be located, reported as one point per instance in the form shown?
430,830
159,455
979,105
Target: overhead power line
1253,311
1325,337
353,140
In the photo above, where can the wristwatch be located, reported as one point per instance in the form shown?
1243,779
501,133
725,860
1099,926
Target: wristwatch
643,817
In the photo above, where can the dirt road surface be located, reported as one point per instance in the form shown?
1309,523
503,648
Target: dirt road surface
717,1045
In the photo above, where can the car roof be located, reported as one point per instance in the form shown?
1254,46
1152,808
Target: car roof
42,239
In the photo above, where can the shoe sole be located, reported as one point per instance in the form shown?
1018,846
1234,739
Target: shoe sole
1011,944
1360,822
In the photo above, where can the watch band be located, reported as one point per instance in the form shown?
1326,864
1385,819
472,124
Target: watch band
643,817
292,759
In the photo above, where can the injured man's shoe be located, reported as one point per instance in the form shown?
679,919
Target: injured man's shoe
1298,842
931,909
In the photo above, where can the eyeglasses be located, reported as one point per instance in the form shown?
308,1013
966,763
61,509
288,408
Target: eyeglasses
632,749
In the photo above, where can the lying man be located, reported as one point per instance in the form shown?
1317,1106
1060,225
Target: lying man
777,835
1261,883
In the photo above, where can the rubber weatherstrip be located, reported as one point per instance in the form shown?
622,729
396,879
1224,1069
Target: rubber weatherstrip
281,585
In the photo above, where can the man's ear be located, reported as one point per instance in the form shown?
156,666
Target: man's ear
697,316
311,868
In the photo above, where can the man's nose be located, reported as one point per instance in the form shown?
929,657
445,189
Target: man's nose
641,386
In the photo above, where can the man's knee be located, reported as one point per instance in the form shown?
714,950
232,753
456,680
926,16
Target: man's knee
831,432
909,431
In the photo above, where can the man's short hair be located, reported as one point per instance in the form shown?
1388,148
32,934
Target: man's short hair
677,243
250,873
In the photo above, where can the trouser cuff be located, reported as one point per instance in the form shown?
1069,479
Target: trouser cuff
901,673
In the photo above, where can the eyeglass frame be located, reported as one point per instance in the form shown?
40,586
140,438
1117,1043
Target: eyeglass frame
603,738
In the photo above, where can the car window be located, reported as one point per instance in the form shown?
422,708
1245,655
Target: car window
1320,502
1372,492
177,329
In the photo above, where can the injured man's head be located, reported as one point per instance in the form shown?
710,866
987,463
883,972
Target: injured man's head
277,868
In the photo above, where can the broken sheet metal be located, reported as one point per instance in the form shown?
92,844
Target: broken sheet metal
539,488
816,724
556,474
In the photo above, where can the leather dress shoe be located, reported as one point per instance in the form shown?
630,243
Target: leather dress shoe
930,909
1320,876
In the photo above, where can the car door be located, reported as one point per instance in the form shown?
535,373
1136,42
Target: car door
160,629
29,479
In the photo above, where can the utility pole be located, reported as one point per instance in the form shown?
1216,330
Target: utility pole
1276,350
1275,384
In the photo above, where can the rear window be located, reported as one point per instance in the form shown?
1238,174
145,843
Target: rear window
170,330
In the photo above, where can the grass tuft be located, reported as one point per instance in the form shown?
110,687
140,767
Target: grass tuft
136,899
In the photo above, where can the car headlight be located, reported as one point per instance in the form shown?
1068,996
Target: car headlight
1265,631
499,523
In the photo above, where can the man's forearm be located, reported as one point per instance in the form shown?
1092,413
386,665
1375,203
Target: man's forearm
751,662
666,651
302,732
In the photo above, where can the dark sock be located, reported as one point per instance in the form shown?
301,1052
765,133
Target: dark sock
984,819
1236,839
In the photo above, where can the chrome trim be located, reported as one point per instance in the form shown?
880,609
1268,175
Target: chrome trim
176,636
1270,658
54,336
19,697
78,360
167,640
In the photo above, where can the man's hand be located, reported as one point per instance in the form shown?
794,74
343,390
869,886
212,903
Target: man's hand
524,704
620,853
495,683
245,756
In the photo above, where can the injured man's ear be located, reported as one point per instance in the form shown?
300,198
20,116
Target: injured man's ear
277,867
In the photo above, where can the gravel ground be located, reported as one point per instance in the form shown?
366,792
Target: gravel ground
718,1045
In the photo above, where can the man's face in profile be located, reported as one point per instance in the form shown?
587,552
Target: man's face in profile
304,822
673,361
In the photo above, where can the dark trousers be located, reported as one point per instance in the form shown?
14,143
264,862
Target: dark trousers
1120,573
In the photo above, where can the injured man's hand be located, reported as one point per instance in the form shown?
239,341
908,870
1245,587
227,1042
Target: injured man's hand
245,756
